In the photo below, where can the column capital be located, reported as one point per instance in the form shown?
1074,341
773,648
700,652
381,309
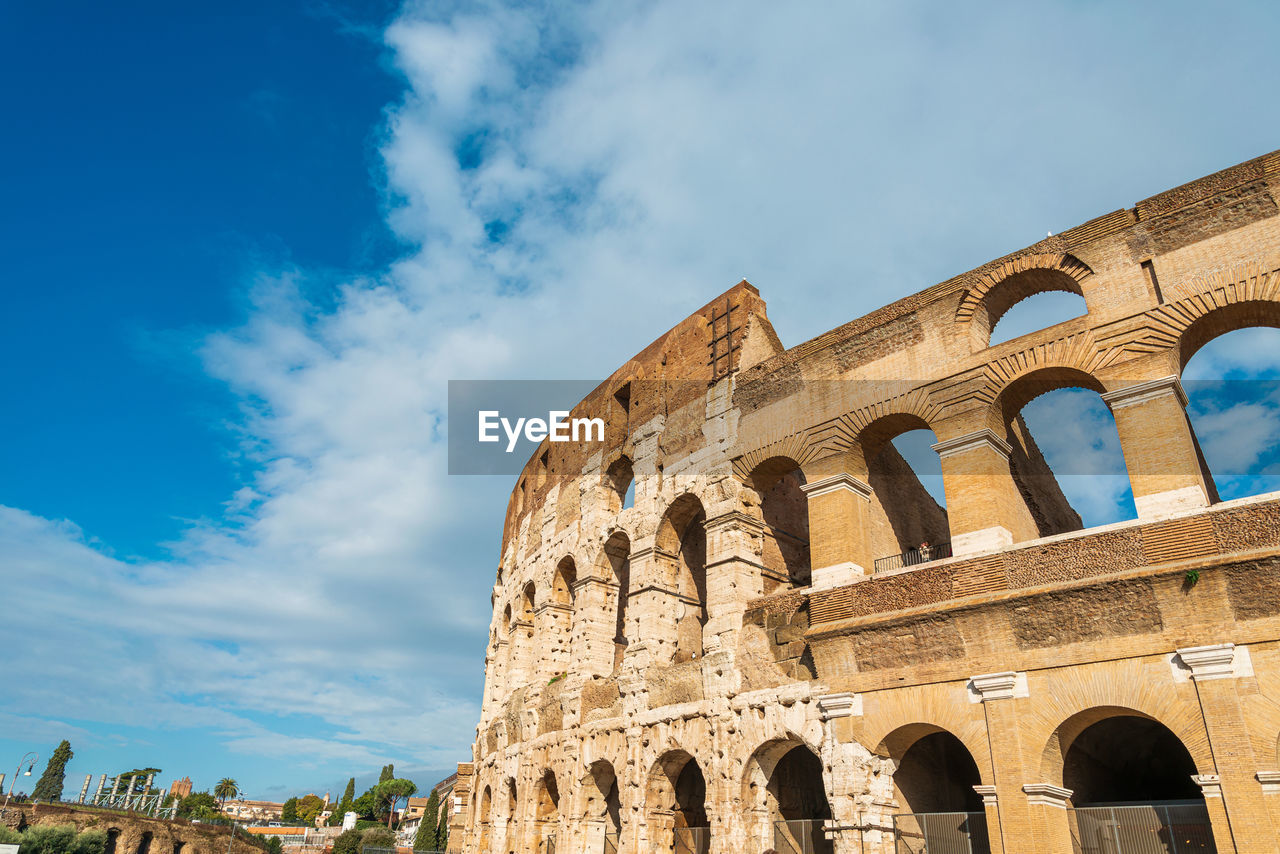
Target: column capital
1132,395
997,686
731,519
985,438
1047,794
835,483
1209,662
987,793
1210,784
840,705
1270,781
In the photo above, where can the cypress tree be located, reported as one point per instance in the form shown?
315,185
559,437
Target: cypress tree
428,833
49,788
344,805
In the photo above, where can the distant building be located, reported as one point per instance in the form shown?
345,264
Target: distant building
180,788
247,810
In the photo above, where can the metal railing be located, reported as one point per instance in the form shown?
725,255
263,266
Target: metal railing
611,842
912,557
692,840
941,833
801,836
1169,827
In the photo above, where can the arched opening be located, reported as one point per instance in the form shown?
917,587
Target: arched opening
676,799
1038,311
617,554
620,480
178,845
1065,454
933,785
785,512
682,540
546,820
786,791
908,517
1131,779
562,585
144,844
512,811
485,818
113,836
527,599
1049,275
1230,373
604,802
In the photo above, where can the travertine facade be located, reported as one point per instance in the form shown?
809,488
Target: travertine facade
724,654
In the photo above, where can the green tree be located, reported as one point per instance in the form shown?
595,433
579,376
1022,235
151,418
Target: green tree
49,787
348,842
289,812
274,845
89,842
379,799
393,791
366,805
388,773
428,833
348,796
197,804
442,835
227,788
308,808
378,837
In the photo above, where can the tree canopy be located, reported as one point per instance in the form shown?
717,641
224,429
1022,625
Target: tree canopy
227,788
348,842
139,785
289,812
198,805
428,833
392,791
49,787
309,807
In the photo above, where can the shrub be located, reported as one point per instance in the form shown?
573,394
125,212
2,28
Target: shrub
89,842
348,842
378,837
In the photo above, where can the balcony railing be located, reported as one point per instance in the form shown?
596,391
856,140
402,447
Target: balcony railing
911,557
801,837
1172,827
941,833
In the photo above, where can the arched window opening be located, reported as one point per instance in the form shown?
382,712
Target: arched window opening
933,784
144,844
682,538
562,585
113,836
785,511
527,599
604,800
547,816
620,480
798,803
178,845
1065,453
1232,384
617,552
485,818
908,515
1061,276
1131,779
676,800
513,805
1036,312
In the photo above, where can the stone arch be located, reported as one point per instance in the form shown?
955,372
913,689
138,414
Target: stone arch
935,769
144,842
513,812
784,781
484,819
602,797
563,581
1048,510
998,290
546,809
784,509
619,478
682,541
113,839
675,803
903,514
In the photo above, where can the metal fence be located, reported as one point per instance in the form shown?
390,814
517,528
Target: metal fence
1173,827
801,837
692,840
911,557
611,842
941,833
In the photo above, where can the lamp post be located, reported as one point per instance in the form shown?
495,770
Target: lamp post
30,761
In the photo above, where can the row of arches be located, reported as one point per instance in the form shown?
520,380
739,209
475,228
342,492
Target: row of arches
1106,756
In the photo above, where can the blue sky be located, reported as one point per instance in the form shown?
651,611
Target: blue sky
246,245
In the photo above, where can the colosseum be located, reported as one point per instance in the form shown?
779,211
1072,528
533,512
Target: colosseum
741,622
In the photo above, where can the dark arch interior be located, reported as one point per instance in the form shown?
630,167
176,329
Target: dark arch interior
548,798
691,796
1128,759
937,774
112,836
785,510
797,794
144,844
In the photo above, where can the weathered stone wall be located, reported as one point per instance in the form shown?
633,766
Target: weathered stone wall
129,833
681,649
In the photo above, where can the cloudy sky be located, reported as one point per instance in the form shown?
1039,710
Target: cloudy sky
246,245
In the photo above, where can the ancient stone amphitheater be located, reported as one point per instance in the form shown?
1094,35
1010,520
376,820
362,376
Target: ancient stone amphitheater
783,641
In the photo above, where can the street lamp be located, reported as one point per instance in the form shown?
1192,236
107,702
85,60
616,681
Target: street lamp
30,761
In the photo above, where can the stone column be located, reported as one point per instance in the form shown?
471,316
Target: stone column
990,806
839,525
520,655
595,626
733,576
984,507
1160,449
555,622
1048,821
653,608
1236,807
